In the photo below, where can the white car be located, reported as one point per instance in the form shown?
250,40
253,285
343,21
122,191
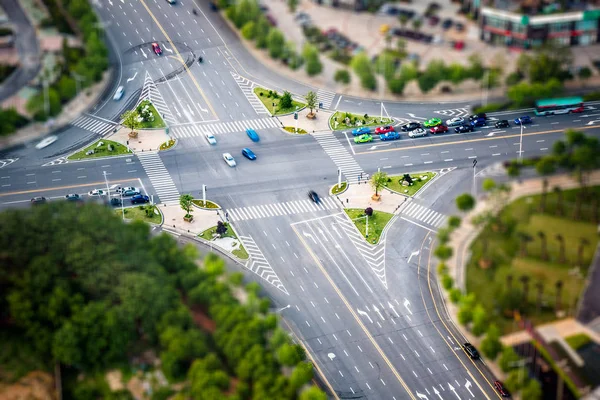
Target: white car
46,142
119,93
97,193
456,121
210,138
229,159
417,133
123,189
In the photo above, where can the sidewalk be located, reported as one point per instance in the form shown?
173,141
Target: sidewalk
319,123
147,140
359,196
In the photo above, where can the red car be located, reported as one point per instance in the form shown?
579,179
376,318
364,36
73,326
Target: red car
156,49
384,129
500,388
439,129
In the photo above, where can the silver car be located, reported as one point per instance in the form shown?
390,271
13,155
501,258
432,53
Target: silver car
119,93
417,133
456,121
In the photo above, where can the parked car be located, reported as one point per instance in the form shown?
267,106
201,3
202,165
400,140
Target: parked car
73,197
115,201
525,119
459,26
96,193
156,49
430,123
447,23
119,93
314,196
252,134
38,200
171,1
455,121
502,124
464,129
501,389
439,129
479,122
139,198
210,138
390,136
411,126
434,20
363,138
249,154
120,189
213,5
361,131
384,129
130,192
471,351
417,133
229,159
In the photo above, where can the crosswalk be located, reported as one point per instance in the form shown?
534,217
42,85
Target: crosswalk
325,97
259,264
283,208
159,177
95,125
339,155
190,130
247,87
424,215
454,112
151,92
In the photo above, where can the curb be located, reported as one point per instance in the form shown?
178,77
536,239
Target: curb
343,191
170,148
208,209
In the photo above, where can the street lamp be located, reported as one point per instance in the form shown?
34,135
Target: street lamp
474,179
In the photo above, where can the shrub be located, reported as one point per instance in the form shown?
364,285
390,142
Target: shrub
286,100
513,78
369,211
447,281
455,295
442,268
454,221
362,67
342,76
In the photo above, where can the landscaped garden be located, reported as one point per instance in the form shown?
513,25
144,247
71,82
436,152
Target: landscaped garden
101,148
375,220
148,116
409,184
346,120
147,213
223,230
284,104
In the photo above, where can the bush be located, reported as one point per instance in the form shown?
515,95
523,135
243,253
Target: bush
10,121
593,96
513,78
490,107
525,94
447,281
286,100
311,58
249,30
442,268
443,252
455,295
454,221
342,76
396,85
362,67
369,211
275,43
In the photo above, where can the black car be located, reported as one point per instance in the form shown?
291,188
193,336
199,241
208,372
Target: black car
38,200
73,197
478,116
140,198
464,128
411,126
503,123
471,351
314,196
115,201
447,23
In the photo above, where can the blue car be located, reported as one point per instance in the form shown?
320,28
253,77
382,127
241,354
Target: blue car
478,122
361,131
140,198
525,119
252,134
249,154
390,136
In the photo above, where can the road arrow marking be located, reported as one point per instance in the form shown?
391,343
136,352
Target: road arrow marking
132,78
379,145
437,392
336,231
323,234
378,312
331,356
360,312
310,236
406,304
454,391
592,122
167,49
450,339
202,109
413,254
490,134
414,116
190,109
467,386
393,309
422,396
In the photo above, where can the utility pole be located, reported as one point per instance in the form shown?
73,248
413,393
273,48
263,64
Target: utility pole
339,185
204,195
521,142
107,188
474,178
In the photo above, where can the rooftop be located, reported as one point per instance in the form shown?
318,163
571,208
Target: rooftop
541,7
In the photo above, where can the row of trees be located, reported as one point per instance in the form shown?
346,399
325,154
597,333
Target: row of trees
86,291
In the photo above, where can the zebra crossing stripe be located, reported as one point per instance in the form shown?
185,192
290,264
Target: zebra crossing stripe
159,177
280,209
424,214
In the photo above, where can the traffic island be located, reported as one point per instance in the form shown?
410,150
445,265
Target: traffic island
147,213
338,189
209,205
370,223
146,140
100,148
409,184
277,103
224,236
167,145
341,120
291,129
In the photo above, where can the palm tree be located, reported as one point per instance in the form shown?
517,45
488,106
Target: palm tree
540,290
559,200
558,285
582,243
561,254
544,249
525,281
509,281
524,239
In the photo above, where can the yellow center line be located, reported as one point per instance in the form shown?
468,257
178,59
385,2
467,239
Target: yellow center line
468,141
62,187
180,59
356,317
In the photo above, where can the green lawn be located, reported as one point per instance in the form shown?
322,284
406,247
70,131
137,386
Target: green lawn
157,122
292,129
268,100
578,341
395,183
503,250
371,120
377,222
209,204
208,235
100,151
167,145
138,213
338,189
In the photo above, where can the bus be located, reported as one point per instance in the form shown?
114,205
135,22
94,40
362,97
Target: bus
559,106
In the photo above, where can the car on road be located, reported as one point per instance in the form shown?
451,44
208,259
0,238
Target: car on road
249,154
46,142
119,93
38,200
130,192
115,201
502,124
447,23
361,131
96,193
363,138
171,1
471,351
430,123
140,198
477,116
252,134
73,197
479,122
314,196
210,138
417,133
384,129
229,159
464,129
525,119
411,126
156,49
502,391
439,129
390,136
455,121
122,189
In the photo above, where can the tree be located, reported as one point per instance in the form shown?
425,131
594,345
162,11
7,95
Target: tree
524,239
130,120
416,24
539,286
465,311
403,20
480,320
301,375
362,67
186,203
369,211
524,94
491,345
290,354
313,393
342,76
585,73
67,88
557,302
454,221
221,228
525,281
545,166
286,101
532,390
488,184
508,358
36,105
543,245
401,48
548,62
150,209
465,202
561,254
275,43
443,252
311,58
311,100
249,30
455,295
378,180
396,85
583,242
509,281
516,379
292,5
261,31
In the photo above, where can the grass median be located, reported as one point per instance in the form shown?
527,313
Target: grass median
348,120
376,223
419,180
138,213
268,97
156,121
210,233
116,149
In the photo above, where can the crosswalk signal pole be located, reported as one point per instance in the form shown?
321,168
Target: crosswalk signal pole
204,195
339,185
474,184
